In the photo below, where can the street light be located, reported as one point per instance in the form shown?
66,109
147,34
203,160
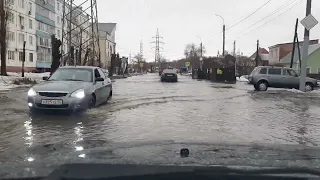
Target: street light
224,34
200,53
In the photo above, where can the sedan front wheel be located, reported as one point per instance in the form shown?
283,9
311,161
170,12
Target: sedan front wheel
92,102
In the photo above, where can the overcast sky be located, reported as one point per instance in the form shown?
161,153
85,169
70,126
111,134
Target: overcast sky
187,21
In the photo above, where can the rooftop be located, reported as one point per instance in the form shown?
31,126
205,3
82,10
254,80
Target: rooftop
314,41
107,27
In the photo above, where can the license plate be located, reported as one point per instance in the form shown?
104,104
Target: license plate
51,102
169,75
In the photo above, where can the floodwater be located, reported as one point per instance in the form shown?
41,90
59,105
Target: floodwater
147,122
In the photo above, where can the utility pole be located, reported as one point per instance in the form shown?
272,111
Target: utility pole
201,56
141,55
129,61
257,54
157,47
224,39
23,57
294,43
235,56
305,48
234,48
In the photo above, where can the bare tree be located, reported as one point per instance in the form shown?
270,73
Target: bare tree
193,51
139,59
4,14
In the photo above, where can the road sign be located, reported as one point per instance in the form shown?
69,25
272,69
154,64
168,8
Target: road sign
141,65
309,22
187,64
201,58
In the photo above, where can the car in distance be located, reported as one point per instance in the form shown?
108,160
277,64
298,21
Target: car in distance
263,77
169,75
72,89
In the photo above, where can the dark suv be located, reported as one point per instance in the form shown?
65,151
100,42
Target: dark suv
263,77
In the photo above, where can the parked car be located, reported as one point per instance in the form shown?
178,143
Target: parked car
263,77
72,89
169,75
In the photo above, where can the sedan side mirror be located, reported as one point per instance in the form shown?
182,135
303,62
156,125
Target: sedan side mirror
99,79
45,78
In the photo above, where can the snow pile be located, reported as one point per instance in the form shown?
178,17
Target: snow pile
295,90
242,79
7,82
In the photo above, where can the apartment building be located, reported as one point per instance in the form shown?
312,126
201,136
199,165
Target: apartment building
46,26
21,28
107,42
34,21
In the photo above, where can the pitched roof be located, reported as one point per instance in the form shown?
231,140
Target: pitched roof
314,41
107,27
287,58
261,52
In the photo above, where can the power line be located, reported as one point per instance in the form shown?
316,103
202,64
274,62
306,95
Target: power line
270,14
271,19
249,15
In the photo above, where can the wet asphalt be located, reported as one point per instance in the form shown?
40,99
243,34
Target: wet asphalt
147,122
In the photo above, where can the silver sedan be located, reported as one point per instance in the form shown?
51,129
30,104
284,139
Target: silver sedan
72,89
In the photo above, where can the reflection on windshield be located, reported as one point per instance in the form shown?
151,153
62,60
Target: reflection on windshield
72,74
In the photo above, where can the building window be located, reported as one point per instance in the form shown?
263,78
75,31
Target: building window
30,7
21,3
58,19
11,36
11,55
58,6
21,20
31,40
308,70
10,2
20,56
10,17
30,23
21,37
31,57
58,33
44,42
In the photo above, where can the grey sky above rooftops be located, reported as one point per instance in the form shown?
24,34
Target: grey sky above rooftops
186,21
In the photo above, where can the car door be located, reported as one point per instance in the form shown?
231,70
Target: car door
275,77
290,78
106,85
98,85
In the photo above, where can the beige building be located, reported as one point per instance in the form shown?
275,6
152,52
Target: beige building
107,42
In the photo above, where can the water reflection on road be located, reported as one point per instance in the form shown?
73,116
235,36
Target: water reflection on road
144,110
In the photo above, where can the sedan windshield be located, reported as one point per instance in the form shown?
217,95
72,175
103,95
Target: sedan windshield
72,74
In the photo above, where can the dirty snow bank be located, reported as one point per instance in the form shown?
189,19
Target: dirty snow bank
7,82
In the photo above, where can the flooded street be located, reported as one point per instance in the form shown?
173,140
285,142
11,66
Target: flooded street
148,121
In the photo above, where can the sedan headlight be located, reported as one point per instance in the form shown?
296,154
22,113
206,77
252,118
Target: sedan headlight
78,94
32,92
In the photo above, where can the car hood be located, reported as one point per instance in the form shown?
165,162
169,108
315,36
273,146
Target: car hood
158,153
66,86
